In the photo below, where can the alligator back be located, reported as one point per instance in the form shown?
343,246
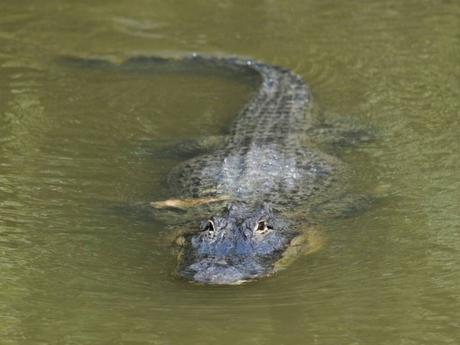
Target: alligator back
264,158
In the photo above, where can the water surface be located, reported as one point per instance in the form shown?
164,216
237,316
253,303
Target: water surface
73,143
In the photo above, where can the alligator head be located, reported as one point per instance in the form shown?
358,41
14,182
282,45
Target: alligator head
234,247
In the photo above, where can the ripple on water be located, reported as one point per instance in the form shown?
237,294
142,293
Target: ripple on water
75,271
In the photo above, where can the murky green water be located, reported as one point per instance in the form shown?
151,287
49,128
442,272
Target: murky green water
73,143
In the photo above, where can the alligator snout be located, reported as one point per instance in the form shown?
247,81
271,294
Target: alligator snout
219,271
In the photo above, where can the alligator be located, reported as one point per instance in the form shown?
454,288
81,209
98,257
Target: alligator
257,187
259,181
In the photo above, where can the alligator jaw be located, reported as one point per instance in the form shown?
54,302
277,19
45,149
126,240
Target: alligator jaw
219,271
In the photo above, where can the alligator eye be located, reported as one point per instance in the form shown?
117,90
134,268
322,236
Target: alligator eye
210,227
261,226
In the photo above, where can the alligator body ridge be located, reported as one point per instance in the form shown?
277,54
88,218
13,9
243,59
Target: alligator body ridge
264,158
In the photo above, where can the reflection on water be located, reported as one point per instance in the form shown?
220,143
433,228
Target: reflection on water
76,146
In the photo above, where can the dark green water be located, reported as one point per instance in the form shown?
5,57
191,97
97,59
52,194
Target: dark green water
73,270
